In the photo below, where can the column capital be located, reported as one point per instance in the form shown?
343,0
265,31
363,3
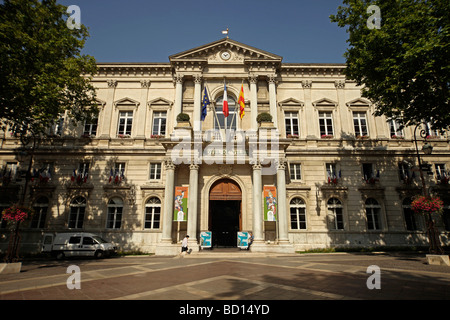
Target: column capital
281,164
272,78
112,83
194,167
145,84
253,78
178,78
339,84
306,84
169,165
197,78
256,164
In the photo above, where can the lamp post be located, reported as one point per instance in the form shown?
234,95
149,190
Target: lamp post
433,235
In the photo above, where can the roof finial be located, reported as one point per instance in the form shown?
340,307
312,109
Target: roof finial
225,32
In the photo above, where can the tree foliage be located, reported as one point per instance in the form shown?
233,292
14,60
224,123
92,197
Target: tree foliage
404,65
42,71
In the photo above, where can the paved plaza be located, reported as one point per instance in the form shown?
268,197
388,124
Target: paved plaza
231,275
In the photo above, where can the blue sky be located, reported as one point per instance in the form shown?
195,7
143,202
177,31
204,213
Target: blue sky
150,31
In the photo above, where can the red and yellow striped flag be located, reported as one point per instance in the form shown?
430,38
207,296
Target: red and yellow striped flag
241,102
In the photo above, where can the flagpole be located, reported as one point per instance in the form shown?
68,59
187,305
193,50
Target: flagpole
213,107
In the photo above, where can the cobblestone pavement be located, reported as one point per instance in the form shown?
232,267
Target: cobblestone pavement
232,275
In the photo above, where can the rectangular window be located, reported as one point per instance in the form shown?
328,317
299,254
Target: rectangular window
404,172
295,171
90,128
298,218
291,122
10,170
83,169
159,123
367,171
326,123
114,220
119,168
360,124
394,127
152,217
125,123
155,171
331,171
373,218
439,168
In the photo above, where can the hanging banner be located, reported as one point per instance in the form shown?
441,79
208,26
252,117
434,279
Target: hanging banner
205,239
270,203
180,204
242,239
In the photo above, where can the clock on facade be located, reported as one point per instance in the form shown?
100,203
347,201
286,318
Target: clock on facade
225,55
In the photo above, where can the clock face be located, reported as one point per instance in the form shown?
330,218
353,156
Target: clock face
225,55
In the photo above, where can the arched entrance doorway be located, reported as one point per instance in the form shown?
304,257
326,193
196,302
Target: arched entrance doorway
225,220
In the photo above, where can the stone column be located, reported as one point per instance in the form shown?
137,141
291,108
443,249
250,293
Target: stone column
254,100
178,96
168,201
107,113
273,99
281,197
193,203
197,102
257,203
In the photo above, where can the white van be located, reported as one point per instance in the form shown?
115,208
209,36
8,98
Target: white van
76,244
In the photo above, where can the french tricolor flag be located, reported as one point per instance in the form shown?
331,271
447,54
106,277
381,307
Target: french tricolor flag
225,102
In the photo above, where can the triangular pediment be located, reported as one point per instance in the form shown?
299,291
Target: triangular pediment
291,102
238,52
359,102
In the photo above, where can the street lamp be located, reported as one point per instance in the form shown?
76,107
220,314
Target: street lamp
433,236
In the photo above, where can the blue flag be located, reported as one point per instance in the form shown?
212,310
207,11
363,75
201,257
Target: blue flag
205,103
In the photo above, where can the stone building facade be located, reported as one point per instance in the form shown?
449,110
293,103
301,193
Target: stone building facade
324,173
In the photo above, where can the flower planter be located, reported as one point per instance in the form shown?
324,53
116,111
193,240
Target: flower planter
13,267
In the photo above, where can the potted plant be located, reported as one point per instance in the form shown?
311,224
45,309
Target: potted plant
183,120
264,119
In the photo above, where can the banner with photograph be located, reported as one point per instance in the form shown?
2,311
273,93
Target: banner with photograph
242,239
206,239
270,203
181,204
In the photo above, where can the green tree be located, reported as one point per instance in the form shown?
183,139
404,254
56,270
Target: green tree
42,71
43,75
404,65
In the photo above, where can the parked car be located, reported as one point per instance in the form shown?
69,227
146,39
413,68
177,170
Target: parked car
76,244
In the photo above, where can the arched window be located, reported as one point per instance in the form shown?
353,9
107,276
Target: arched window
40,208
222,122
152,213
77,210
373,214
115,209
298,214
335,216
